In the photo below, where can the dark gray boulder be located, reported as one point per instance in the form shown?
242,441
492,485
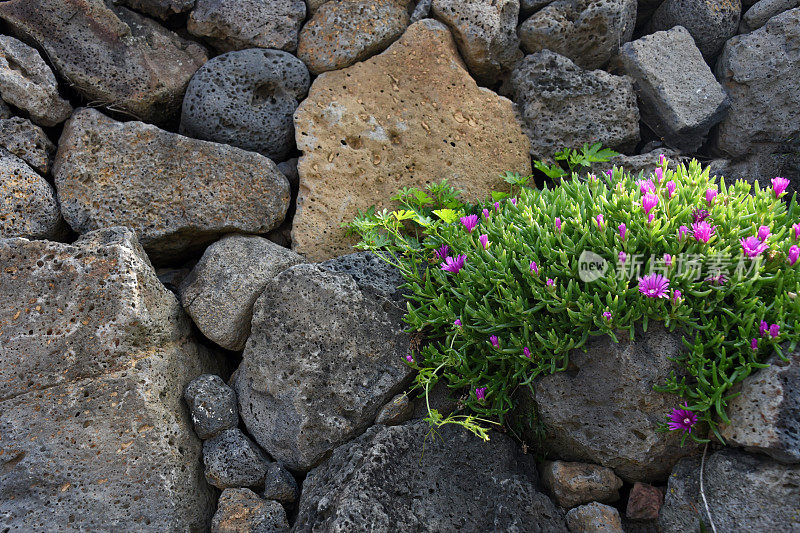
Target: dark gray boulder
212,404
711,22
280,485
762,11
233,460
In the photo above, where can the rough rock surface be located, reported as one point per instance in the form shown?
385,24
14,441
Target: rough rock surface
177,193
343,32
242,511
582,423
123,61
246,99
680,97
212,405
573,484
762,11
594,518
744,492
28,142
93,360
280,485
565,105
486,34
28,205
397,411
644,502
238,24
28,83
589,32
220,291
526,7
711,22
765,105
384,481
761,167
233,460
325,353
409,116
162,9
645,163
421,11
765,417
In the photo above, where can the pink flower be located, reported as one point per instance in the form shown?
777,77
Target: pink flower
646,186
659,174
497,206
485,213
453,265
650,218
752,247
484,241
609,173
682,420
754,345
796,229
671,188
607,315
457,322
480,393
699,215
623,229
794,254
558,224
667,259
409,359
649,201
469,222
495,342
442,252
710,195
526,352
676,296
774,330
551,282
763,233
702,231
661,159
599,219
534,267
654,286
682,231
763,327
622,258
779,186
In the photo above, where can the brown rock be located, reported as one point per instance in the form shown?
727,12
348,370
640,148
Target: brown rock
242,511
407,117
644,502
594,518
576,483
28,206
396,411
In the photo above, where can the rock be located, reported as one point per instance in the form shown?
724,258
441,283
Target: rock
384,131
220,292
237,24
242,511
28,205
744,493
343,32
5,111
246,99
421,11
711,22
182,195
161,9
761,167
762,11
397,411
526,7
645,163
305,390
95,356
581,423
765,107
645,10
115,58
680,98
289,169
765,416
232,460
280,485
28,83
573,484
594,518
589,32
383,481
644,502
313,5
486,34
212,405
441,398
565,106
28,142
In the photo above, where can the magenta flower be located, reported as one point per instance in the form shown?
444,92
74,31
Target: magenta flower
654,286
699,215
453,265
774,330
754,345
710,195
682,419
752,247
409,359
480,393
497,206
646,186
779,186
551,282
682,231
484,241
607,315
794,254
763,233
649,201
457,322
623,229
558,224
526,352
442,252
763,328
485,213
676,296
622,258
719,279
514,201
495,342
796,229
671,188
534,267
661,159
702,231
599,219
469,222
609,173
659,174
650,219
667,259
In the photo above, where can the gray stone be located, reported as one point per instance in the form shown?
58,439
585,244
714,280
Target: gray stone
680,97
220,291
403,479
761,167
762,11
765,105
485,32
182,195
162,9
344,32
589,32
326,351
96,352
212,405
594,518
421,11
246,99
313,5
242,511
28,142
238,24
711,22
289,169
744,493
765,416
28,83
526,7
645,163
28,205
573,484
5,111
565,105
233,460
397,411
584,425
114,57
280,485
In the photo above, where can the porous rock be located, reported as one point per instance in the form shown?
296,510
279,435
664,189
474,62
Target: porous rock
760,167
762,11
326,351
111,55
181,195
573,484
565,105
313,5
242,511
397,411
406,115
594,518
711,22
526,7
644,502
95,354
28,205
280,485
645,163
589,32
421,11
233,460
246,99
161,9
397,478
212,405
343,32
28,142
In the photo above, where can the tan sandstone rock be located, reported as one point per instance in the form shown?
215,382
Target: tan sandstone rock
407,117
